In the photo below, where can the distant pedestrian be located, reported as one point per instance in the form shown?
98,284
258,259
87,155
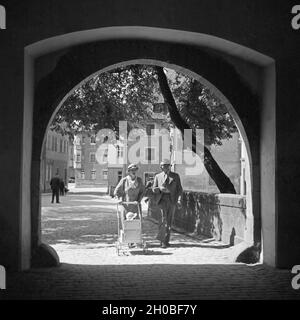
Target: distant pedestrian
66,190
62,187
55,187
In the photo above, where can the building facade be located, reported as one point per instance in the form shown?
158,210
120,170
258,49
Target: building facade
89,171
230,159
102,164
55,159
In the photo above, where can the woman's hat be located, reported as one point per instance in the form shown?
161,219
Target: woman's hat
132,167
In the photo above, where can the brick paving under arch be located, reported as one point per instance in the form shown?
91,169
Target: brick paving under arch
83,230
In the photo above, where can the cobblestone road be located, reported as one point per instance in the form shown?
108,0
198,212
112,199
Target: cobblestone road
83,230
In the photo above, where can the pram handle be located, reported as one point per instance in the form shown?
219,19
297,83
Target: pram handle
129,202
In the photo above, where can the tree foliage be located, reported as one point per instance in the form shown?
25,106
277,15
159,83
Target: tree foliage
201,109
128,93
106,99
222,181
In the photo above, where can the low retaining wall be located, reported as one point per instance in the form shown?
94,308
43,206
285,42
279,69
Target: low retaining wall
219,216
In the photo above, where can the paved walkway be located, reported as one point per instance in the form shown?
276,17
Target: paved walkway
83,229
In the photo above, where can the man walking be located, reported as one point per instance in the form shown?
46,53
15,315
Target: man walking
55,186
167,191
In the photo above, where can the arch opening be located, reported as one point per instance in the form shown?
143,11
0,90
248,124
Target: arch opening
248,236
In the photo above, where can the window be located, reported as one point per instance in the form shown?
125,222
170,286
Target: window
48,142
160,108
78,157
119,152
105,155
93,174
49,171
104,174
93,139
53,142
149,129
92,157
82,176
150,154
244,182
83,140
119,175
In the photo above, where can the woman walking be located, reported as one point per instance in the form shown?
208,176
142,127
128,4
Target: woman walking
130,189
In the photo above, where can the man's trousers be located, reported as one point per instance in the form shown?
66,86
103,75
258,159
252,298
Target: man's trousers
167,210
55,193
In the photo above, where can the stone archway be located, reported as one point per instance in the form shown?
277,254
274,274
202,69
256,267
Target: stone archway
220,62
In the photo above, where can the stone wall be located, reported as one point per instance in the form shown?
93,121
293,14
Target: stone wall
219,216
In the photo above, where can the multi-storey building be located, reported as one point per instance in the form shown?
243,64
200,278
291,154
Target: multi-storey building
88,170
71,170
55,159
155,145
228,156
103,164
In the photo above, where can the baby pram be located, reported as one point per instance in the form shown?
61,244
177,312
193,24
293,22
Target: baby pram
129,230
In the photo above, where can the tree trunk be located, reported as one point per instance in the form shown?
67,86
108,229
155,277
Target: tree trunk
221,180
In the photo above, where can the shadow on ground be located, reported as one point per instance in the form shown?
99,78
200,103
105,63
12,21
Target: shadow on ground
108,282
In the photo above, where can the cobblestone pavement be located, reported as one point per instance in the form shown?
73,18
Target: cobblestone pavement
83,231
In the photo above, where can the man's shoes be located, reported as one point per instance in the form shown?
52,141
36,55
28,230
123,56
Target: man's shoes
168,244
164,246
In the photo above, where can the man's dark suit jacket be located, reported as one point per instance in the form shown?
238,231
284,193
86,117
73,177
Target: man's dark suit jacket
55,183
173,185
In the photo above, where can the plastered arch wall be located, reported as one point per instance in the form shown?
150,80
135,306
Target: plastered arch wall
55,66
